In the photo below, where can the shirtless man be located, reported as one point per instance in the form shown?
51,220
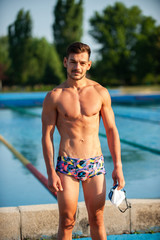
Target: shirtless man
75,108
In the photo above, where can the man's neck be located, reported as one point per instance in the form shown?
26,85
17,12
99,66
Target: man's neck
77,84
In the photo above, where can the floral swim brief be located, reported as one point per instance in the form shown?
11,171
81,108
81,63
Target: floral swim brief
81,169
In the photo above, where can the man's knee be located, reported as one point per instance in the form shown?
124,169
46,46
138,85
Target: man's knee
67,221
96,219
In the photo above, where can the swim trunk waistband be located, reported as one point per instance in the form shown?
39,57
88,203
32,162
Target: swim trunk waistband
81,169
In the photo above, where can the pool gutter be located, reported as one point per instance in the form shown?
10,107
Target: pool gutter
35,99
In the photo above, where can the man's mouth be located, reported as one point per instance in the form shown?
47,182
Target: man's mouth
76,72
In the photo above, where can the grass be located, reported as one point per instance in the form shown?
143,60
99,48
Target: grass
140,89
36,88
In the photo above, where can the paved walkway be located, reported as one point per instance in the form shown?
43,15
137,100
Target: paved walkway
154,236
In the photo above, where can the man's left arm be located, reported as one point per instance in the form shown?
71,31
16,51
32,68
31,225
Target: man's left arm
112,138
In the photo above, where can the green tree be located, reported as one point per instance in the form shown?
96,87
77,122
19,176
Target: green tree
147,50
19,35
54,69
44,66
67,27
4,60
125,37
34,61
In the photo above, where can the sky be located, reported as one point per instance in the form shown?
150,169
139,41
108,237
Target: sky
42,14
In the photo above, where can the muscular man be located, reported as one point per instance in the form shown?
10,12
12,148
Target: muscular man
75,108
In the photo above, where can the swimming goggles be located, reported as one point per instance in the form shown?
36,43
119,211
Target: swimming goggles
117,197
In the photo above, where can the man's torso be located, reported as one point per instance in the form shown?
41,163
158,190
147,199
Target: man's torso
78,117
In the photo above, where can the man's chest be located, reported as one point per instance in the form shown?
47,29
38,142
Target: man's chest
72,105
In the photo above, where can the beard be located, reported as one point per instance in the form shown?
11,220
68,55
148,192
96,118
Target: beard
75,77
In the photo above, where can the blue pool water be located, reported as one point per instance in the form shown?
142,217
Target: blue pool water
155,236
23,130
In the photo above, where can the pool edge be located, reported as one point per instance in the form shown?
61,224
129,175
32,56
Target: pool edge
35,221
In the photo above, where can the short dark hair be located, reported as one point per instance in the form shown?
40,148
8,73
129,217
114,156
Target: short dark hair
78,47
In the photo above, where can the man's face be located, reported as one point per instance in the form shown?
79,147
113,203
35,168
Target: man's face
77,64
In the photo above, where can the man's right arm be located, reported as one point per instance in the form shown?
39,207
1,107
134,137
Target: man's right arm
49,116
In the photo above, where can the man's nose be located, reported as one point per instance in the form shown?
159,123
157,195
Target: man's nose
77,65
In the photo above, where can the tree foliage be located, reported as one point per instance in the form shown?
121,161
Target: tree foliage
44,65
147,50
19,34
67,27
128,44
129,50
4,59
33,61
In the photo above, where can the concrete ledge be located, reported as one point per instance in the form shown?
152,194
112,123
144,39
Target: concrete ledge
9,223
39,220
42,220
115,221
145,215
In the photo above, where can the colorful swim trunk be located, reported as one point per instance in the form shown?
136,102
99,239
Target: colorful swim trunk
81,169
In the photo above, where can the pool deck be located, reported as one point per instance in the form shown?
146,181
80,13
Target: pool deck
41,221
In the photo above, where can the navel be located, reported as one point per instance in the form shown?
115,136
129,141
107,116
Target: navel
81,140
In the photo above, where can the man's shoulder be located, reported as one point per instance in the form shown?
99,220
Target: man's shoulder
53,96
103,93
54,93
100,89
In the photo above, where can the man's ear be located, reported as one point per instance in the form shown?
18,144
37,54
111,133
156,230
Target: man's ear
65,62
89,65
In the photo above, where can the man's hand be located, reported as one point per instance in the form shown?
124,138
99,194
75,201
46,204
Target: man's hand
54,183
118,177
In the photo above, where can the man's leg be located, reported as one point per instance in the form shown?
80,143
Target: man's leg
67,203
95,195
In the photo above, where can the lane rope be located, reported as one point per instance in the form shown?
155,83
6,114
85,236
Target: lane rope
28,165
137,119
133,144
137,145
23,111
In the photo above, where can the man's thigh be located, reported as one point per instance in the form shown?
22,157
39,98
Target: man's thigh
68,198
95,193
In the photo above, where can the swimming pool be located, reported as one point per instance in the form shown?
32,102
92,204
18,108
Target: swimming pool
155,236
22,128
